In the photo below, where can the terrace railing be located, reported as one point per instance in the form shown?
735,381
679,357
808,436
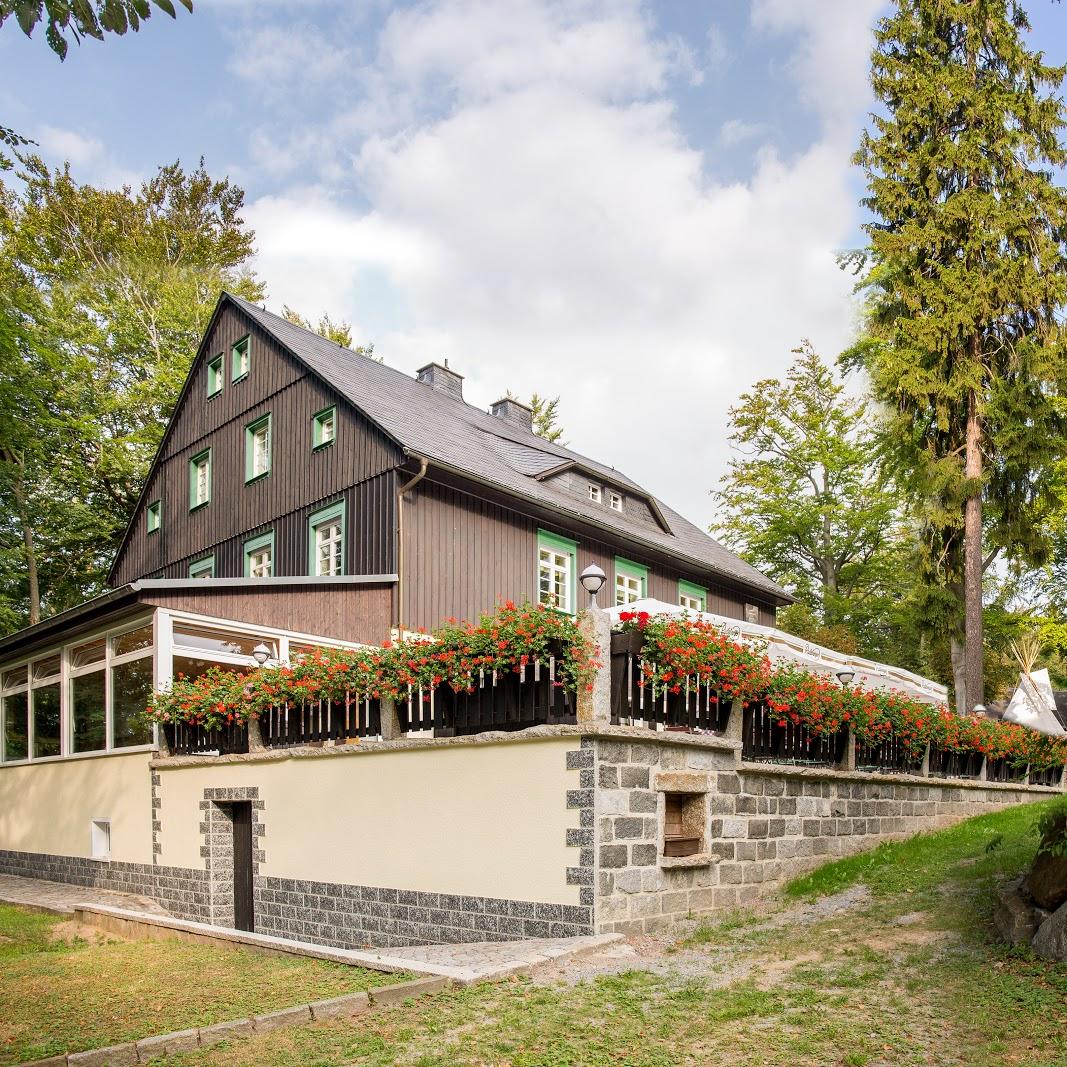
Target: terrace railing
763,740
890,757
1050,776
1003,770
185,740
322,720
534,695
947,764
696,707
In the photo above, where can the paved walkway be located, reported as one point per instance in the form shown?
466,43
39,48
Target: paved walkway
462,963
60,897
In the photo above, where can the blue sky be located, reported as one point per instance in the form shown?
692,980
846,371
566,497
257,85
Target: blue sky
634,205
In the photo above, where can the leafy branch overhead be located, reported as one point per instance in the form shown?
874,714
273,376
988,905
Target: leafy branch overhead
83,18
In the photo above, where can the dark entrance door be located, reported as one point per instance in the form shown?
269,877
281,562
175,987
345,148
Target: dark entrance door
243,914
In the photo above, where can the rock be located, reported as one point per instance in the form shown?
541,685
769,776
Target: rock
1050,941
1047,881
1014,917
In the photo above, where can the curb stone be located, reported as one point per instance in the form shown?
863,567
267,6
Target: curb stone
152,1048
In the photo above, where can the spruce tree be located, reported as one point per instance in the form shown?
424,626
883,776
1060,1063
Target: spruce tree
965,276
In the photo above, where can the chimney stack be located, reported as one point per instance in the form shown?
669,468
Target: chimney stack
513,411
439,377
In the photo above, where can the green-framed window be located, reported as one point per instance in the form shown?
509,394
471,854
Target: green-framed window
259,556
214,376
327,541
692,596
203,568
258,448
556,571
200,479
154,516
241,358
324,427
631,581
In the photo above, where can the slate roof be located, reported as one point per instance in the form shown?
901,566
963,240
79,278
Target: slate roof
472,442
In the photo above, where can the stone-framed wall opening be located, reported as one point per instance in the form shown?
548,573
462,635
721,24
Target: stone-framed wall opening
217,850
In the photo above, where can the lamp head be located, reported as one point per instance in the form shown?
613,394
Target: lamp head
592,579
261,654
845,677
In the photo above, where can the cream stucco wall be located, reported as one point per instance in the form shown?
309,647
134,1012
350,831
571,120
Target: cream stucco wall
479,819
48,807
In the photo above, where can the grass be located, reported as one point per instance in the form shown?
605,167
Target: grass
63,994
857,988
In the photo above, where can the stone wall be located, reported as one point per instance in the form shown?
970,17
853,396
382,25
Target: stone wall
762,824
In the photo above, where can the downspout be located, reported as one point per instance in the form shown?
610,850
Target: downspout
400,494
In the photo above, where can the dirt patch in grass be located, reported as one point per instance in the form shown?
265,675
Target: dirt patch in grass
65,987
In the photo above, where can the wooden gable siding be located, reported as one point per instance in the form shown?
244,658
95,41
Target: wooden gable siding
370,521
463,555
300,478
360,614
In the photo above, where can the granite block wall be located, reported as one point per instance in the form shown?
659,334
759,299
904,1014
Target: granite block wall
762,824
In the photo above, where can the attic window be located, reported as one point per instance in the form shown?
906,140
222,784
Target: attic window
594,493
241,358
214,376
324,428
154,516
615,501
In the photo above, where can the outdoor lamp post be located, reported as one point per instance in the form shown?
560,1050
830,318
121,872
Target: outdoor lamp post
844,677
592,579
261,654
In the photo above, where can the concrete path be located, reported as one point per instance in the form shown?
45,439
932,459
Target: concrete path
475,962
62,898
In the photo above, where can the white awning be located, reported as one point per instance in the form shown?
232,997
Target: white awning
787,648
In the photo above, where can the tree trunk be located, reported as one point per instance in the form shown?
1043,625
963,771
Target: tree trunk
959,675
29,549
972,558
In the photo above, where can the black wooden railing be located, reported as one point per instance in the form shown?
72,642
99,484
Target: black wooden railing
534,695
945,763
890,757
320,721
1050,776
696,706
764,740
1003,770
186,740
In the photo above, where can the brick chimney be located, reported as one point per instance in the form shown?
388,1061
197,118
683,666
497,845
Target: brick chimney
438,376
514,411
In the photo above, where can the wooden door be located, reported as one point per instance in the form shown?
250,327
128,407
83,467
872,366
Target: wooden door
243,912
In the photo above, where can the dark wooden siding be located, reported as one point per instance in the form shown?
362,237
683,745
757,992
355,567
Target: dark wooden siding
463,555
347,613
299,479
370,520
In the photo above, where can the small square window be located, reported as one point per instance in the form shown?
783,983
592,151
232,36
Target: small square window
615,501
154,516
324,428
214,376
752,613
594,493
100,838
683,824
241,358
203,568
259,556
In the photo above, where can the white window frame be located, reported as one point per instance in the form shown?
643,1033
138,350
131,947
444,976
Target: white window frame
615,501
557,557
100,839
595,494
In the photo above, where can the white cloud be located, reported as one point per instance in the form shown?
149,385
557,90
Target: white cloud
90,161
735,131
551,229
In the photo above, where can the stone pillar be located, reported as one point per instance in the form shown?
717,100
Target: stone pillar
595,706
925,770
390,723
848,760
983,774
255,735
735,724
162,745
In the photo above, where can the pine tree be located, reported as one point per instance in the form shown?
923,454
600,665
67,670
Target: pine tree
965,276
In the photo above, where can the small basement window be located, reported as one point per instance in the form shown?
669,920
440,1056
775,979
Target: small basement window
683,824
100,832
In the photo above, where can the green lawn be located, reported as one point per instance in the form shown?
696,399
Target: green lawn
61,995
914,976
